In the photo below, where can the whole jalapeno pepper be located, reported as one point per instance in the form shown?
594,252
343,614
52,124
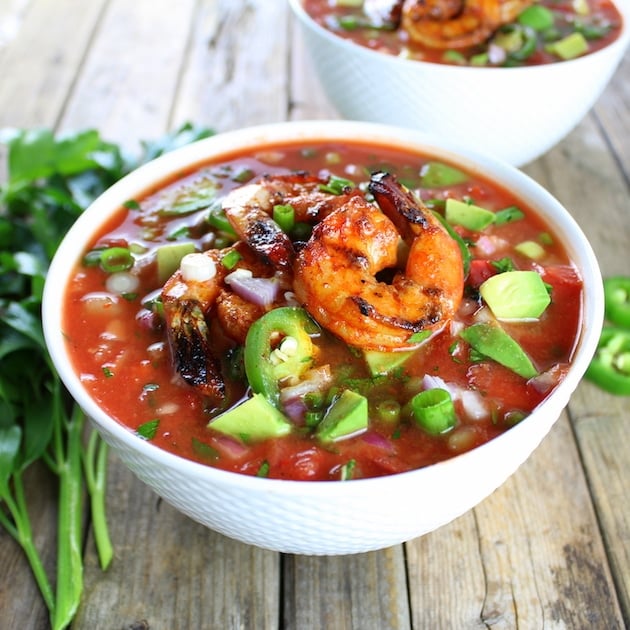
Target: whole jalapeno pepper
610,367
617,300
278,345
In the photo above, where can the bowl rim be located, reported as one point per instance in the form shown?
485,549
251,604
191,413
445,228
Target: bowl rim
153,173
615,48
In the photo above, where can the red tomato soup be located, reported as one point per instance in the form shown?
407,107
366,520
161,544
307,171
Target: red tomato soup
296,312
499,34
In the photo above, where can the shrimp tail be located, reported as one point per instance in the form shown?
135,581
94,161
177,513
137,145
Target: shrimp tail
193,357
400,206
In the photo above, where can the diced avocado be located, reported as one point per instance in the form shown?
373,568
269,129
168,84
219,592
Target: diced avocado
384,362
516,295
169,256
537,17
253,420
569,47
468,215
531,249
438,174
347,416
493,342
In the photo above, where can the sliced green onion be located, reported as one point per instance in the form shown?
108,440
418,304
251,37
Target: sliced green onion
434,411
116,259
337,185
284,216
230,259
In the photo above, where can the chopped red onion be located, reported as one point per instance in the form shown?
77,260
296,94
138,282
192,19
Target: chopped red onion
230,447
376,439
294,409
259,291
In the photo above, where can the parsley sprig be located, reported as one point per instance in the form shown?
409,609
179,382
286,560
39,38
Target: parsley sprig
49,181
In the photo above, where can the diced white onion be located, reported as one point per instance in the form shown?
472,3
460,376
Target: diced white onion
472,401
496,54
122,283
197,267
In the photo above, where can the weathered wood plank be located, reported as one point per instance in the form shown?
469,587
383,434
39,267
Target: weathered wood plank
39,63
171,572
613,113
602,432
21,604
363,591
594,185
522,557
130,76
236,69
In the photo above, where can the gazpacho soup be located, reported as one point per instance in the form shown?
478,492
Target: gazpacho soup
471,32
324,312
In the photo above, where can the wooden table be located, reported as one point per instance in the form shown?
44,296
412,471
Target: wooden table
549,549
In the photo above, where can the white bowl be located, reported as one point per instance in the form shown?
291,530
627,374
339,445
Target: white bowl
515,114
312,517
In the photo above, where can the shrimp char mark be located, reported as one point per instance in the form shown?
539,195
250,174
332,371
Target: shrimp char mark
336,272
249,209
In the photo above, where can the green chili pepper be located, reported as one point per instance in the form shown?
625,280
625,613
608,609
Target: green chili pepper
617,300
278,345
610,367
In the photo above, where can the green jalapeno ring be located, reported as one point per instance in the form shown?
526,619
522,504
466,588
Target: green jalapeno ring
263,374
610,367
617,300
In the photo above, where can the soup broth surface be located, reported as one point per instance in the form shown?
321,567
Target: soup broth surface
119,340
548,31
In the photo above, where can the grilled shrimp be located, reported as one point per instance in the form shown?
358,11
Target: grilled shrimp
337,272
249,210
201,287
457,23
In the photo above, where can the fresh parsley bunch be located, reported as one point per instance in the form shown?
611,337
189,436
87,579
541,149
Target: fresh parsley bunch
49,181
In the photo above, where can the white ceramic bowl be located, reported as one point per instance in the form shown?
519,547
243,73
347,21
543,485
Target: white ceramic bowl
515,114
311,517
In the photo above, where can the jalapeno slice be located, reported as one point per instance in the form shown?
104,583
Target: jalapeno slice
617,300
278,345
610,367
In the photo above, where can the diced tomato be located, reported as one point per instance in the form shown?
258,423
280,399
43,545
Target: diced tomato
503,386
480,271
564,275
